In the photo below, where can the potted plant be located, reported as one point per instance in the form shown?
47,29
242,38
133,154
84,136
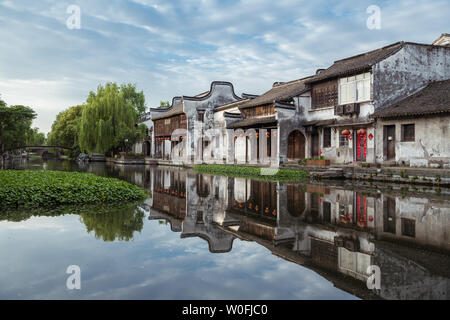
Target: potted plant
318,161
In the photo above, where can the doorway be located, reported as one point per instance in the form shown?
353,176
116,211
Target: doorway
315,145
389,142
296,145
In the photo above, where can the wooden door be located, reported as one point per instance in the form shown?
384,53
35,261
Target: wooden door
296,145
389,223
361,147
389,140
314,145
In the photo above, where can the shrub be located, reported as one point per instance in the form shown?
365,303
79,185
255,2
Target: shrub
251,172
36,188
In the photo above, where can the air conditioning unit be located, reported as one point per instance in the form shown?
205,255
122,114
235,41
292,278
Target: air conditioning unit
339,110
351,108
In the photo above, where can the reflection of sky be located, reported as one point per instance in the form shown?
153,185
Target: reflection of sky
157,264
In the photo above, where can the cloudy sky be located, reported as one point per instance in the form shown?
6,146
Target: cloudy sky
170,48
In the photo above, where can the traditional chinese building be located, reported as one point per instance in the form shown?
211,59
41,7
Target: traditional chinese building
179,135
338,108
266,127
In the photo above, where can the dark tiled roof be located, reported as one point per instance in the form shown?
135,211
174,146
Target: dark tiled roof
282,92
230,105
357,63
252,121
178,109
433,99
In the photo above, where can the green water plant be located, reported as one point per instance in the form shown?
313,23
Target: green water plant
40,188
267,174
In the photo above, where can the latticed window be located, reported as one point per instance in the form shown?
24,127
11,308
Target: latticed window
343,140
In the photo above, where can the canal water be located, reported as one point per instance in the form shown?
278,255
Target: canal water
211,237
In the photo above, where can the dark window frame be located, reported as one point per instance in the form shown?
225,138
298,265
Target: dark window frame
326,138
408,132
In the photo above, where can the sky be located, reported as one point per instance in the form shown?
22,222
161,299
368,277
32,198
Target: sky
170,48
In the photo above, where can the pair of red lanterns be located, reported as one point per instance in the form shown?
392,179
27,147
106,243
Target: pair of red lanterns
360,132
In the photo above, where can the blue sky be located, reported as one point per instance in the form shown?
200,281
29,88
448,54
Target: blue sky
170,48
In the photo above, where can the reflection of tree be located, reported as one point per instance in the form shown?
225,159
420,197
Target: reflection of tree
115,224
109,222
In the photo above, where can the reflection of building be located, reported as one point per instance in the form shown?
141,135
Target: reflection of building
188,201
336,232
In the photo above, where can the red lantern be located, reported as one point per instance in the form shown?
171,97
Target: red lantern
268,134
235,137
361,132
320,152
346,132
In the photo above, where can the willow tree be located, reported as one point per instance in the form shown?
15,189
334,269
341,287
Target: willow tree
108,121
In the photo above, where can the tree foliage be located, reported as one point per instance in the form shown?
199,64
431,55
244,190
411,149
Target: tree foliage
164,104
15,125
35,138
66,128
108,121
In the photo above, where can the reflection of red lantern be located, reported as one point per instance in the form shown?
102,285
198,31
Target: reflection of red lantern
274,212
241,205
257,208
250,134
250,206
370,218
275,133
267,210
320,152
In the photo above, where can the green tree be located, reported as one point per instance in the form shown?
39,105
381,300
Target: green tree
164,104
109,119
65,129
35,138
15,125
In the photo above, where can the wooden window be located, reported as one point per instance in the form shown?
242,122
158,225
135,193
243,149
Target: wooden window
324,95
200,117
354,89
326,137
343,141
408,227
408,132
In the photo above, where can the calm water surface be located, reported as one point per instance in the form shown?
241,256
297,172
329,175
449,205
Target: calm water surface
211,237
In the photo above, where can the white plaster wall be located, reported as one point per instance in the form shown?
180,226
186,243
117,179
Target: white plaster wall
431,145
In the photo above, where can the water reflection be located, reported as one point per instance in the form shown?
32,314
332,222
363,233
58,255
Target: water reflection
109,223
336,231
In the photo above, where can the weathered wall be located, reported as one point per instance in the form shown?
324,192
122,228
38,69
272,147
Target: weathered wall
430,148
409,70
432,221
